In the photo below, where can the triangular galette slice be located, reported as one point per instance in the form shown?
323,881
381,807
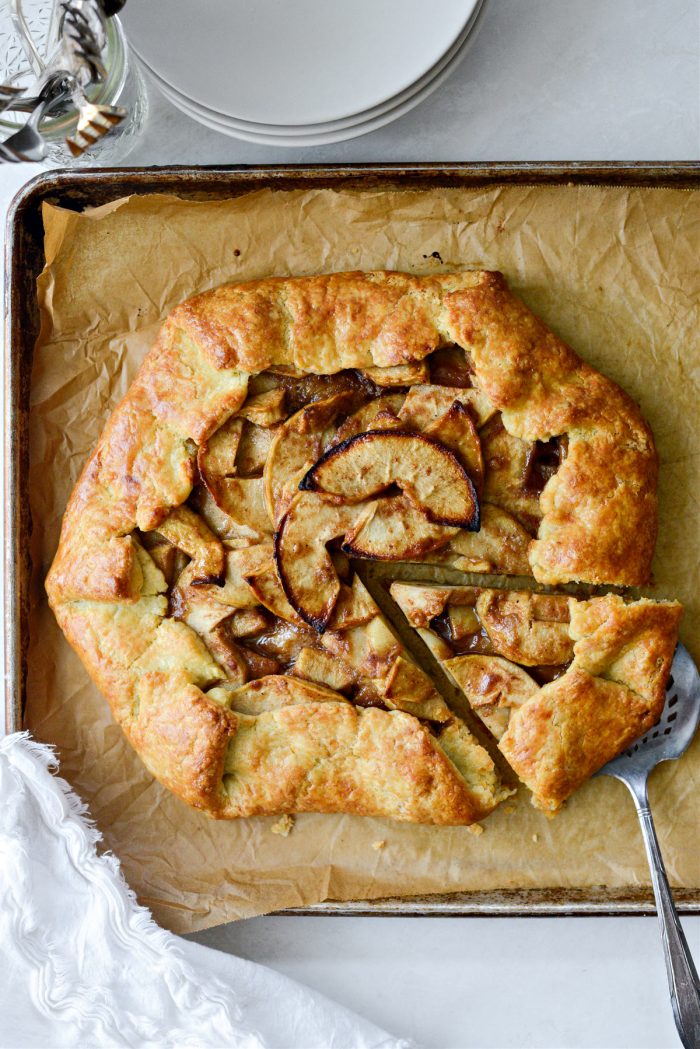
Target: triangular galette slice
563,684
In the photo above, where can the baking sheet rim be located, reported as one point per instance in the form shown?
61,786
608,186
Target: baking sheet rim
19,340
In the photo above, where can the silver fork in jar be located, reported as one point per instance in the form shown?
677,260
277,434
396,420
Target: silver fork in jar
27,144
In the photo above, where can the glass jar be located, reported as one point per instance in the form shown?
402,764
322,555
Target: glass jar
123,86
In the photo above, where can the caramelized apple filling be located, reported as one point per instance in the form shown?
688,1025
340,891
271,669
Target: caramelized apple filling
542,462
300,390
499,646
530,629
410,462
447,625
451,366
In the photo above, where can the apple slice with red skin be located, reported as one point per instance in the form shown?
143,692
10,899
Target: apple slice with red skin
428,473
304,565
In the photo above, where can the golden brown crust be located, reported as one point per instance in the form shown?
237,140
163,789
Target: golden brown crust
570,729
332,757
599,521
183,739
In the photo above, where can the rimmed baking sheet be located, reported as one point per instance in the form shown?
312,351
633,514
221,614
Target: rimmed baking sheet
77,190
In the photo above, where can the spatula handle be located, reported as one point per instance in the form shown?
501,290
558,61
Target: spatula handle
682,975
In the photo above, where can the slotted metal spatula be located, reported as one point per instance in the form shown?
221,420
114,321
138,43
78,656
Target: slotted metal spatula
667,740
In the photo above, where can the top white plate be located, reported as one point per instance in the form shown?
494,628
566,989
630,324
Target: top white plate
293,62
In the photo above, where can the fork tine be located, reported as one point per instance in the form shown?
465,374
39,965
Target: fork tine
101,129
82,141
113,115
100,120
79,143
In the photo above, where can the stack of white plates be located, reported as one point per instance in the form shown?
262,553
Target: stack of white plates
299,72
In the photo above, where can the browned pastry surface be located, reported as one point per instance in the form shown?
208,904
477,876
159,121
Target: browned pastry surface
564,685
186,571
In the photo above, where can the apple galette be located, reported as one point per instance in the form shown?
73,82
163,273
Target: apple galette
283,432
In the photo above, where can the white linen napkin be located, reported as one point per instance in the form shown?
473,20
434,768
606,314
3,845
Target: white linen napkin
82,964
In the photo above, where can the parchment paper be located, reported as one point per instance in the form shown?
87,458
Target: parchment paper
614,271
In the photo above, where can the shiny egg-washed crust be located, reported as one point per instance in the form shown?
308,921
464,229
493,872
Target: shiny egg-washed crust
599,525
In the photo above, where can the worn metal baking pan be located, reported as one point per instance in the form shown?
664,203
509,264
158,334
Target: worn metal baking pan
24,260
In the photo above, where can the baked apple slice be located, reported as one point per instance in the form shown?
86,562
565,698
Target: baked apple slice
500,545
456,430
188,532
506,460
243,500
427,472
426,404
240,498
265,409
399,374
273,692
305,567
203,605
232,534
325,669
216,458
378,414
354,606
257,567
253,449
393,529
494,686
297,444
530,629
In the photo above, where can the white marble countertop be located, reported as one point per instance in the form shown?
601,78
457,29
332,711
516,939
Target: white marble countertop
547,80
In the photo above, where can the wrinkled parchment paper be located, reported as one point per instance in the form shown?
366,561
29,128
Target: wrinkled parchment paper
614,271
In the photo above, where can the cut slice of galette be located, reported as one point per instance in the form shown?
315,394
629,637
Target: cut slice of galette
564,685
278,434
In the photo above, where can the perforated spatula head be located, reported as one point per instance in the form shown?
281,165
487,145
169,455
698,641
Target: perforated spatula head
671,735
